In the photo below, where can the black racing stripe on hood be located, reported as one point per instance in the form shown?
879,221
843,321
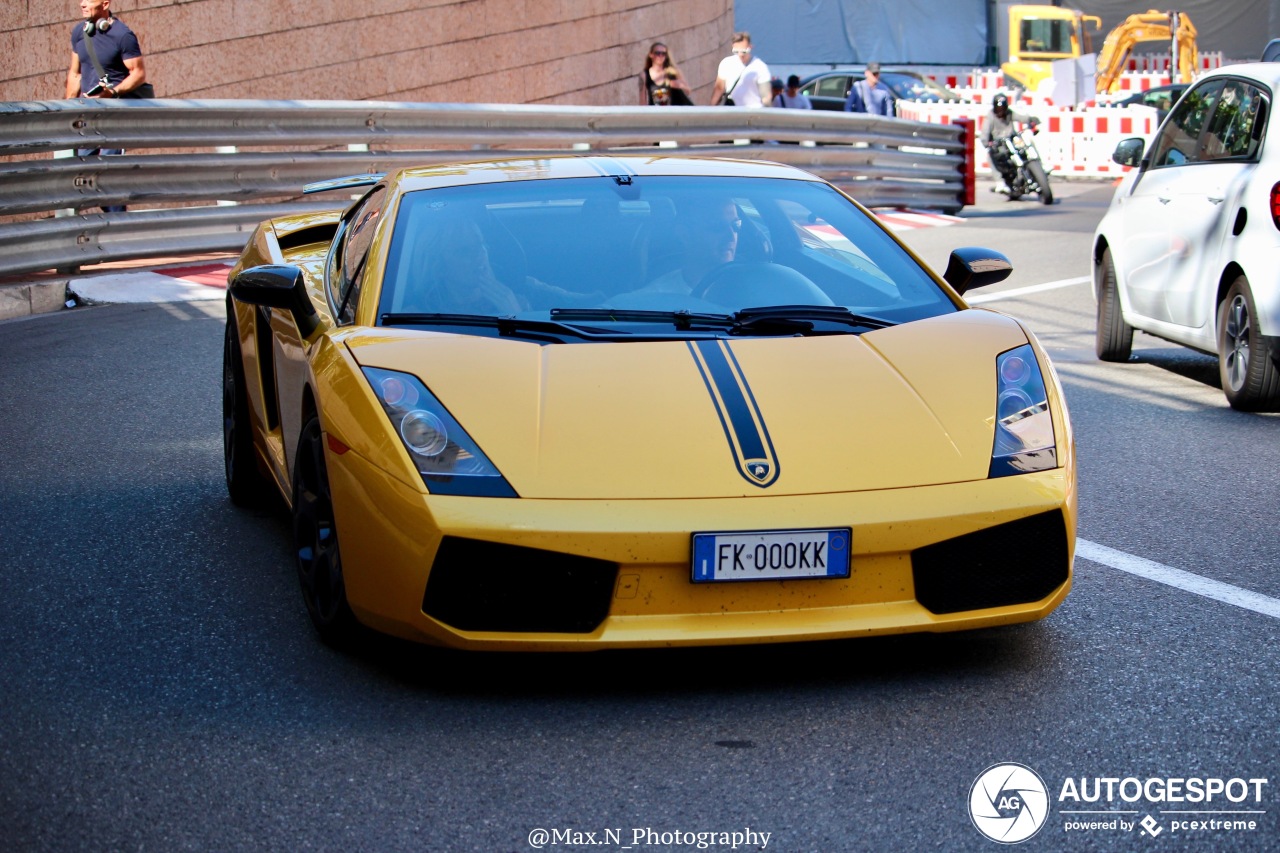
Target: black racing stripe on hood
740,417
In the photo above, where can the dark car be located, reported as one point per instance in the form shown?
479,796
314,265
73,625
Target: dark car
828,89
1161,97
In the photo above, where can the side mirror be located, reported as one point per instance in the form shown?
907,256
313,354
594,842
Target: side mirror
972,267
1129,151
278,286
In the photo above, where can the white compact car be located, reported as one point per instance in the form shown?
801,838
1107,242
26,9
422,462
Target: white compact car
1190,249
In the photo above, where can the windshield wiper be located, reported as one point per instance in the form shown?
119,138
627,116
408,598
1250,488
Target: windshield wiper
555,329
799,319
770,320
504,325
683,320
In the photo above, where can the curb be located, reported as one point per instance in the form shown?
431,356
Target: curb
191,279
23,300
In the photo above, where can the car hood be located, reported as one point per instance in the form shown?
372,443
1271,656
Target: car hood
905,406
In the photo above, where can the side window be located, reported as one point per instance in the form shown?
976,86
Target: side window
348,263
1230,135
1179,138
833,87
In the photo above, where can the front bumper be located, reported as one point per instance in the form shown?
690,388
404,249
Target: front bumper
391,536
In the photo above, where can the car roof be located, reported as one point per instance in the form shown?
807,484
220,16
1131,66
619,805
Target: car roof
1168,87
467,171
1267,73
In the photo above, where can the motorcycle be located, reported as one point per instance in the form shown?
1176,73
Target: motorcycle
1027,173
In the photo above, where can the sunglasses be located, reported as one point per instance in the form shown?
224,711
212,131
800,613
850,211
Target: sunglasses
659,53
742,52
716,225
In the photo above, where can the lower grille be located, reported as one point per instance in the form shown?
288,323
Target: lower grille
487,586
1014,563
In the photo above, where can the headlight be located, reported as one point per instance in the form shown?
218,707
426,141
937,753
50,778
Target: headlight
1024,426
448,460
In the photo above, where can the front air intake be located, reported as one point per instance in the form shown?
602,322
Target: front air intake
487,586
1014,563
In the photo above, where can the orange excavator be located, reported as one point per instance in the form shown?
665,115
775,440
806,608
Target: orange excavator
1173,27
1040,34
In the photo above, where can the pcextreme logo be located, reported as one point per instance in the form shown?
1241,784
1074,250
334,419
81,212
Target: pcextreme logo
1008,803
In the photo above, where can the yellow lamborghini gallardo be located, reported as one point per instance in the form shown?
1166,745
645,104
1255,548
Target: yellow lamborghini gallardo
592,402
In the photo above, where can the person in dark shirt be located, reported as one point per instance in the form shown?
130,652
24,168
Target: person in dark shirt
118,72
870,94
1000,125
117,51
661,82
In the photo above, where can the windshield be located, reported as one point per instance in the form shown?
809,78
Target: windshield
542,251
909,87
1046,36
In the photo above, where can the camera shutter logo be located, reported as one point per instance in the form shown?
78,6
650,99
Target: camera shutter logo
1008,803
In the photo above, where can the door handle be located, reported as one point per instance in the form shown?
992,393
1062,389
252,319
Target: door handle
1163,200
1216,200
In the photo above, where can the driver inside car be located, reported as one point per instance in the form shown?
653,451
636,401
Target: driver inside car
708,234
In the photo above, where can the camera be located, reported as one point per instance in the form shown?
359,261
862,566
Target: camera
99,88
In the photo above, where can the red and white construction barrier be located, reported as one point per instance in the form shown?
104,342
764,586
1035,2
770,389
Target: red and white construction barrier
1071,142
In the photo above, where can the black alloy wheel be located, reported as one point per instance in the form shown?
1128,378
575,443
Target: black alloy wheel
315,541
1114,340
245,482
1250,378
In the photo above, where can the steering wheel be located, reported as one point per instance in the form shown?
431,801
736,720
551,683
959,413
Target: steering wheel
740,284
717,274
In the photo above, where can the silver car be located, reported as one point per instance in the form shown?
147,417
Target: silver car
1190,247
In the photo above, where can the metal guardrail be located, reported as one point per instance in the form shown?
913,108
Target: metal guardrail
879,161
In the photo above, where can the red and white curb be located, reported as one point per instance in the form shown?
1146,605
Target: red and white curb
171,284
904,219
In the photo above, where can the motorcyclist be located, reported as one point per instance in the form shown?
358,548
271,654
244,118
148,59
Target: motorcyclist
1000,125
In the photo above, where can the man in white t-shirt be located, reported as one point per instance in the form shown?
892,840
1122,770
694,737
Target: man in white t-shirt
743,77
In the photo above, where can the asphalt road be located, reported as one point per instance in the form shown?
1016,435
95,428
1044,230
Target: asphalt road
161,689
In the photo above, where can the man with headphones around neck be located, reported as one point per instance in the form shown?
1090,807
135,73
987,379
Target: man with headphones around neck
117,50
116,55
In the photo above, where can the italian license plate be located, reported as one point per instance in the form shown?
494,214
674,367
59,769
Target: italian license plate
771,555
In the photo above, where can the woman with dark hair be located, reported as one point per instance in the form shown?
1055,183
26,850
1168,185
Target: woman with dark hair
661,83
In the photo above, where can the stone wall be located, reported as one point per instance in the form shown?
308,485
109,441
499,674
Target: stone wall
586,52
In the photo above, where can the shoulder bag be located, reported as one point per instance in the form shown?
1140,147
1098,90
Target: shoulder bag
725,100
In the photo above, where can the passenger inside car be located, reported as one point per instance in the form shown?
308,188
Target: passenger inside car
454,273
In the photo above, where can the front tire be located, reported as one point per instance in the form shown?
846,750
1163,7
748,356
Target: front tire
1115,337
245,482
1250,378
1036,169
315,542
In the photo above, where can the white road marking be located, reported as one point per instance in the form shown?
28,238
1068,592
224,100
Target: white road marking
1022,291
1186,581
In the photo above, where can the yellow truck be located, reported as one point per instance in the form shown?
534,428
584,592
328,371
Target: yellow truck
1040,34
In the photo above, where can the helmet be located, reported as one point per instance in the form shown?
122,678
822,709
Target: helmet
1000,102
